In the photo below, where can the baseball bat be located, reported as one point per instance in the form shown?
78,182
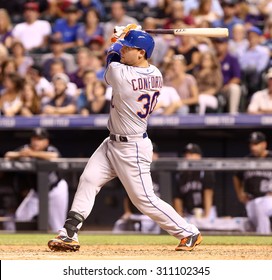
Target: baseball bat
208,32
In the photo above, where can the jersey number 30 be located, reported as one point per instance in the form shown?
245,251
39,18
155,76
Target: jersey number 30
149,105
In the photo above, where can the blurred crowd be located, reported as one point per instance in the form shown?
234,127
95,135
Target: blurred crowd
52,55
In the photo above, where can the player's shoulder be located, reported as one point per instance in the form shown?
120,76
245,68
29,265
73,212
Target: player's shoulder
115,65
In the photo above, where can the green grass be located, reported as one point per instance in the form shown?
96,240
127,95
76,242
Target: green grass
103,239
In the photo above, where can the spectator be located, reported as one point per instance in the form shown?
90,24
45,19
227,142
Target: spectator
5,29
265,7
31,103
92,99
57,67
253,187
61,103
83,63
57,52
169,101
229,19
209,81
3,54
133,219
161,46
8,66
268,38
33,33
66,28
255,14
185,84
40,148
118,18
42,86
242,10
188,48
97,64
22,60
176,13
191,5
90,28
254,61
261,101
195,189
204,12
10,100
231,73
97,46
85,5
56,9
239,43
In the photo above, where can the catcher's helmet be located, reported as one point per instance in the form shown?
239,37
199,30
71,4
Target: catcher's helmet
139,39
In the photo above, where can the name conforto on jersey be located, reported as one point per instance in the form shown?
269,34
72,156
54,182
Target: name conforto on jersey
150,82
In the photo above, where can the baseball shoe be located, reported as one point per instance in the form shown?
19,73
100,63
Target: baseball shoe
189,243
64,243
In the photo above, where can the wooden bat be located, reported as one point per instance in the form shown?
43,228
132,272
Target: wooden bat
208,32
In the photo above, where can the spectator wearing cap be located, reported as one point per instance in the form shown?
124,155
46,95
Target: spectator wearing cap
253,187
61,103
97,45
39,148
57,52
66,28
261,101
194,190
254,61
229,19
57,67
33,32
231,73
90,28
42,86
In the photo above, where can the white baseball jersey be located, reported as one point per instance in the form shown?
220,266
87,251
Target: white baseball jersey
128,116
127,152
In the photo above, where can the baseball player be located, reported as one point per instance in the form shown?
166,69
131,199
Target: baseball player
127,152
254,187
58,197
195,189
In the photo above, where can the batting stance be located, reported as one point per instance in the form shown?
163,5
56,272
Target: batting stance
127,152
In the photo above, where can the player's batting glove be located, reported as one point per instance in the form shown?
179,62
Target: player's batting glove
121,31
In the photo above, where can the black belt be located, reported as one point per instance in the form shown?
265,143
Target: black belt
120,138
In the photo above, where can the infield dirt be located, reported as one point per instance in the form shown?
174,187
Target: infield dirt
136,252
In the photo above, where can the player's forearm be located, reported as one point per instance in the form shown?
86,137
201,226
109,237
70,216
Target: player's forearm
44,155
12,155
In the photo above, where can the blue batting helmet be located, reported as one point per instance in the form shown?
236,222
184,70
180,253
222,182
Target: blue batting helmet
139,39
